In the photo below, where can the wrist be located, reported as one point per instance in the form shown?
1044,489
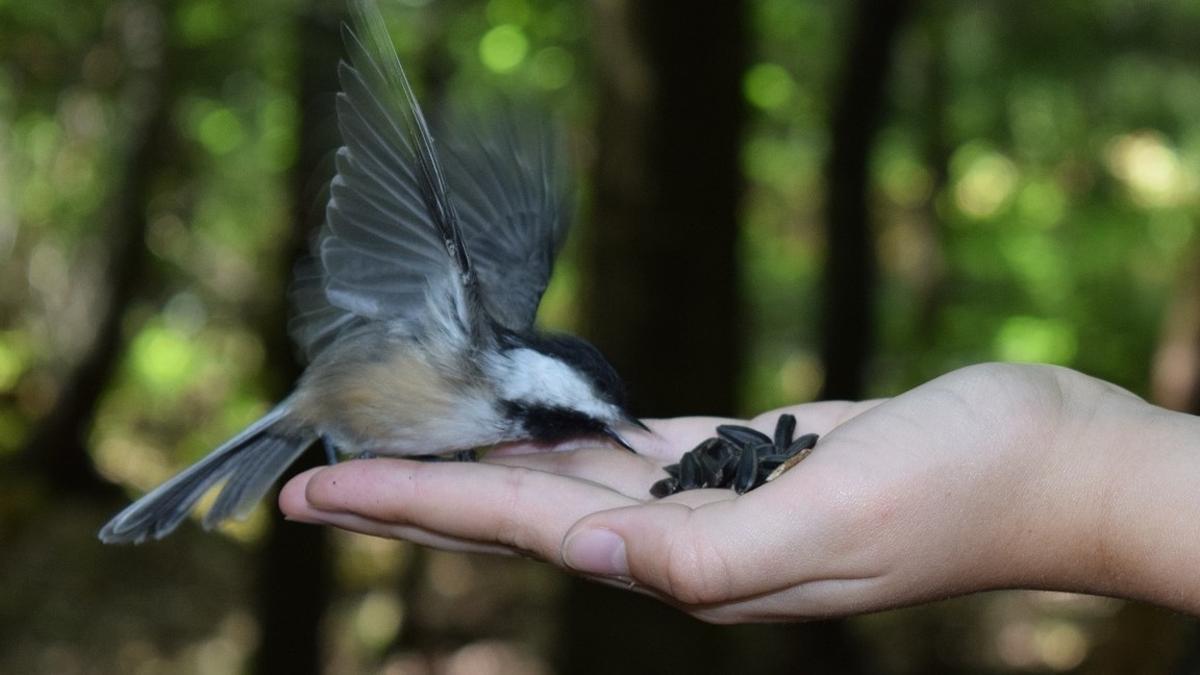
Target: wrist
1113,507
1148,534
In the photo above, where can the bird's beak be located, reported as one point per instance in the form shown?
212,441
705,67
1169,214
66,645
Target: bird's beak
618,439
637,423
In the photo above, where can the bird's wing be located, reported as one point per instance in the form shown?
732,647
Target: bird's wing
506,180
315,323
390,230
400,222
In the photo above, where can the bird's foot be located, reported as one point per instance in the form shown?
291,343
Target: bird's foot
460,456
331,453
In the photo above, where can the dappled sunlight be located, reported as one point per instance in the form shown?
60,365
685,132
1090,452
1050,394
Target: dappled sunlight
984,181
1151,170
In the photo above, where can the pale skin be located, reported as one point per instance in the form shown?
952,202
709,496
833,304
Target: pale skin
993,476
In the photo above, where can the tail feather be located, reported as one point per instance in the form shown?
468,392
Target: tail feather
252,461
252,478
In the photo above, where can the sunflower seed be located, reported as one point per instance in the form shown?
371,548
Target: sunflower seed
664,487
791,461
785,428
741,436
747,471
805,442
691,474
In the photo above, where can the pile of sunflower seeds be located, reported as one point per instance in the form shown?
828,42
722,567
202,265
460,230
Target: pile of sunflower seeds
738,457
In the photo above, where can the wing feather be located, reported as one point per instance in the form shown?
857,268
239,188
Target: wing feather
482,220
507,175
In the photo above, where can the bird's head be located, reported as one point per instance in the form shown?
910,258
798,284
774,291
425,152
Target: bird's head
555,387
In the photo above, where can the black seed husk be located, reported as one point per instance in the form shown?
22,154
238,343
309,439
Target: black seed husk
785,429
747,471
719,458
691,473
803,443
741,436
739,458
664,488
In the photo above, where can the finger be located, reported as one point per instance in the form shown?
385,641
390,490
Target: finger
513,507
707,547
416,535
629,474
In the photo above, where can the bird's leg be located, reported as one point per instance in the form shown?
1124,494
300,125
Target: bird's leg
331,454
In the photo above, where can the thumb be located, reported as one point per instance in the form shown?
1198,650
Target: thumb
686,553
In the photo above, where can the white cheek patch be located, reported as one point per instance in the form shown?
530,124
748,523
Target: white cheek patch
529,376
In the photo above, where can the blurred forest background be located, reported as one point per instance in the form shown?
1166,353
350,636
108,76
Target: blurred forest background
779,200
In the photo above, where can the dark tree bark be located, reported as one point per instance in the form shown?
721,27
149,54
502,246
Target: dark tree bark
662,290
661,283
851,268
58,449
295,576
932,283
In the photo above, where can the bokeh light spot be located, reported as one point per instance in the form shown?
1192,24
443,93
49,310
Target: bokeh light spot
768,86
986,181
162,357
503,48
1031,339
553,68
221,132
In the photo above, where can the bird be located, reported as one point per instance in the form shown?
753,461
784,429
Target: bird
416,308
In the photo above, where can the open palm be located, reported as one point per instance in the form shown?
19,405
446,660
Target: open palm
901,502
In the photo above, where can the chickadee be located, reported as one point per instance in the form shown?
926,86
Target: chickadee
417,307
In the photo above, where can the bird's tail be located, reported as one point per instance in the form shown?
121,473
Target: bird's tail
251,461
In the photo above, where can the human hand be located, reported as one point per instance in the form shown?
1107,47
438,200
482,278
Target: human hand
988,477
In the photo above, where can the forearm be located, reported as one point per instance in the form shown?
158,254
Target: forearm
1119,512
1149,535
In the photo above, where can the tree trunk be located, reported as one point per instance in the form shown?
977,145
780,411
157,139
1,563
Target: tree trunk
851,268
662,287
294,575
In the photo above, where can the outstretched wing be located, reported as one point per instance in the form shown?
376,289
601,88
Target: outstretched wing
399,222
391,232
506,177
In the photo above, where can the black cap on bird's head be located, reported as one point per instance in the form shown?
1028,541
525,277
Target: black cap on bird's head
560,386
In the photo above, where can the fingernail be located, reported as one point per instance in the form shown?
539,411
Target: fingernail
597,551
